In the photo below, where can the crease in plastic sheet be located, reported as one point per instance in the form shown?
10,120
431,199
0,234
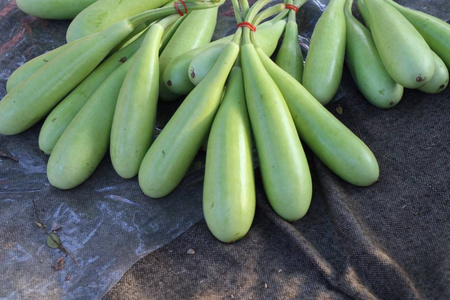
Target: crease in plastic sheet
106,224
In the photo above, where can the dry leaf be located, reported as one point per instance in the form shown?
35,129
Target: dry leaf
59,265
53,241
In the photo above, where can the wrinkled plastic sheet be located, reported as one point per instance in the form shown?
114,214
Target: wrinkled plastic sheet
106,224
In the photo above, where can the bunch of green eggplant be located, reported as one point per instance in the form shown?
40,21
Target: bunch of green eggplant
398,48
77,87
264,110
99,92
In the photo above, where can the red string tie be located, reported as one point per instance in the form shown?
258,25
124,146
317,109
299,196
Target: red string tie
178,9
292,7
248,25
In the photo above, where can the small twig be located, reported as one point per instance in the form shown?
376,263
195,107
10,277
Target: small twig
9,156
52,236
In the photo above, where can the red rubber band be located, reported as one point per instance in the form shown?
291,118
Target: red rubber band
248,25
292,7
178,9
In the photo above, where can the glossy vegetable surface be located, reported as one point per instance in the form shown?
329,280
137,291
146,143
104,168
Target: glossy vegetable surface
289,56
168,159
104,13
60,116
282,161
134,117
85,141
196,30
366,67
405,54
54,9
330,140
435,31
325,59
229,189
34,98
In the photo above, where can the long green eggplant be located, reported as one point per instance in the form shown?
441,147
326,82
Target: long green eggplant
31,66
104,13
177,75
289,56
33,99
325,58
60,117
85,141
366,67
403,51
330,140
229,189
267,34
435,31
196,30
54,9
440,78
169,157
282,160
134,119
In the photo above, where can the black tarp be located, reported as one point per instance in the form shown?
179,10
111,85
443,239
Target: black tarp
387,241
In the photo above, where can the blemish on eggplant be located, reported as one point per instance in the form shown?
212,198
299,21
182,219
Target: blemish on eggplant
192,73
123,59
169,82
419,79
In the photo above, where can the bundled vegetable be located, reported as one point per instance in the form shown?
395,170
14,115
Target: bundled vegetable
325,59
202,24
108,80
104,13
35,97
135,112
53,9
403,51
289,56
60,117
229,189
366,66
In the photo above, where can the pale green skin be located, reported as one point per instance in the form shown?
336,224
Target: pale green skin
229,199
325,59
203,23
440,78
104,13
169,157
85,141
363,12
282,161
267,36
35,97
289,56
174,77
435,31
31,66
403,51
53,9
330,140
60,117
177,72
206,57
134,118
366,67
